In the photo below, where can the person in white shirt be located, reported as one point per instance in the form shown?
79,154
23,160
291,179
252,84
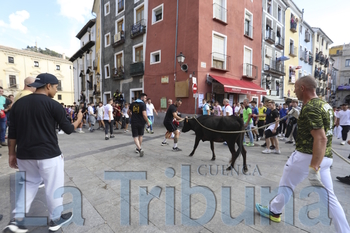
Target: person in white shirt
205,108
125,116
237,109
228,111
91,117
108,119
149,110
100,113
343,119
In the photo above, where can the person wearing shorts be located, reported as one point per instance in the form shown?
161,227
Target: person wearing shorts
271,131
137,111
108,119
100,113
125,117
170,115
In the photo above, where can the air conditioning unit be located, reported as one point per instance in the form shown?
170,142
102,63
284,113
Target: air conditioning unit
117,37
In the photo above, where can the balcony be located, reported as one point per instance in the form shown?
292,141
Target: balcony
220,62
306,56
280,43
317,74
317,59
138,28
118,73
322,91
322,59
326,63
270,36
250,71
307,36
293,26
220,13
311,59
324,76
274,93
119,39
136,69
248,31
317,91
293,51
276,68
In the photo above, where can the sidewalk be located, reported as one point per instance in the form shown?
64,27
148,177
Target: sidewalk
88,156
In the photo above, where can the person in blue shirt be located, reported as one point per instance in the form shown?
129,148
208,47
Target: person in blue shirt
283,125
205,108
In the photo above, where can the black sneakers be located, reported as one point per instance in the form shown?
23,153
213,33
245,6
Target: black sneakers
165,143
57,224
176,149
345,179
139,151
15,226
263,145
112,136
289,142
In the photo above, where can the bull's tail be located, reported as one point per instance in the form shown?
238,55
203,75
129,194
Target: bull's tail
240,145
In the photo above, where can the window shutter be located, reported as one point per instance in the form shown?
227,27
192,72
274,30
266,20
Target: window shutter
218,47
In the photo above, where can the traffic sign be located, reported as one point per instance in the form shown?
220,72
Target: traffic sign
194,88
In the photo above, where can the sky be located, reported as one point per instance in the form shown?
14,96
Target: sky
53,24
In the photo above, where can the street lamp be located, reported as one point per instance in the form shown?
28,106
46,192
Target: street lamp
180,58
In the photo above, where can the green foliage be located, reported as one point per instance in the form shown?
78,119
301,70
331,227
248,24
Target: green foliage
46,51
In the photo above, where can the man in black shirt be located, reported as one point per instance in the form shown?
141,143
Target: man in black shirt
137,112
32,130
170,115
271,131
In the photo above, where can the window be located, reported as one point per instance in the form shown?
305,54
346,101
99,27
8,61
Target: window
59,97
107,39
119,61
269,7
58,67
248,54
59,86
138,54
120,25
157,14
279,14
318,38
36,64
220,10
347,63
107,71
11,60
140,14
219,51
107,8
248,22
91,82
120,6
13,82
155,57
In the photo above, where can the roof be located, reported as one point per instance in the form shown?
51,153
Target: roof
82,50
319,29
24,52
84,29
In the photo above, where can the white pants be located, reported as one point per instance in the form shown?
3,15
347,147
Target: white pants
295,171
51,171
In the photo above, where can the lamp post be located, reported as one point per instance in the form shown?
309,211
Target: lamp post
180,58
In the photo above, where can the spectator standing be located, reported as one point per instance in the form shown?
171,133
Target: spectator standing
228,111
282,128
108,119
27,89
271,131
150,109
100,113
217,110
91,117
137,110
205,108
343,119
40,158
3,118
261,119
126,117
255,113
248,122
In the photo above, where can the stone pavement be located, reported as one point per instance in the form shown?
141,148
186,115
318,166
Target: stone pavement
88,156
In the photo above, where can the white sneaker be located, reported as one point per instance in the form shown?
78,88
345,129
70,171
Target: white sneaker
342,143
282,139
279,135
60,132
80,131
277,152
266,151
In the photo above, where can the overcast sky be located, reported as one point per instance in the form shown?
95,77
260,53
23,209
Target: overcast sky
54,24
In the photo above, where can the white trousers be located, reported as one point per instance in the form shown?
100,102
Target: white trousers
51,171
295,171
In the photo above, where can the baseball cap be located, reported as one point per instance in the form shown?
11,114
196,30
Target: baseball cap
253,101
43,79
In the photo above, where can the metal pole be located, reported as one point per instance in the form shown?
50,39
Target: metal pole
195,104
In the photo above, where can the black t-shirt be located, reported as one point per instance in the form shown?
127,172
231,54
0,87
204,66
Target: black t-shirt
136,109
273,115
169,114
32,123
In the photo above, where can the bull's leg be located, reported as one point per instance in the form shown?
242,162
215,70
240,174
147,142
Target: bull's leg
231,147
195,145
244,155
212,149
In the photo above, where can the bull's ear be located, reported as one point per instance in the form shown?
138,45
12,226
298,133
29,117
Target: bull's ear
186,120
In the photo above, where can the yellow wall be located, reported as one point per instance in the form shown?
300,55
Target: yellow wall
293,61
24,67
333,50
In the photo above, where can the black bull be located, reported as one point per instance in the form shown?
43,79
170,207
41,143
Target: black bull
218,123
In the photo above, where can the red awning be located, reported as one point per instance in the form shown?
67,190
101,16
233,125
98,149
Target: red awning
239,86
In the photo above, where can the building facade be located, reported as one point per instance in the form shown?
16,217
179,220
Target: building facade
342,69
293,17
306,58
123,44
273,31
321,64
222,50
17,64
85,65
